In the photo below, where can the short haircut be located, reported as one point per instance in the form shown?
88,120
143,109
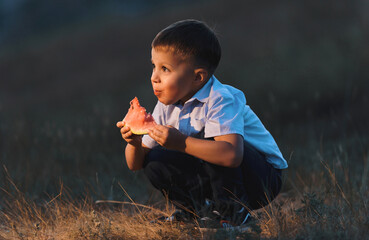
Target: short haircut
191,38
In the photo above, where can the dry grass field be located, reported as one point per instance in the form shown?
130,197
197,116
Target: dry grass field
302,66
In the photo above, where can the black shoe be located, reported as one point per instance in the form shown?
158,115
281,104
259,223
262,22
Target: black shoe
235,222
240,218
206,210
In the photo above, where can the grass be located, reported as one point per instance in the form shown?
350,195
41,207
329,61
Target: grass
330,201
63,218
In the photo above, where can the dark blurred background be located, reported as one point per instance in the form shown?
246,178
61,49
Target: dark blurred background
68,70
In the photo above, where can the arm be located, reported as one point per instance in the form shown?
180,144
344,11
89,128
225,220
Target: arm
226,150
135,151
135,156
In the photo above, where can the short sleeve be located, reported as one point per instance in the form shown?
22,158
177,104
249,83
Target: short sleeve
158,115
225,115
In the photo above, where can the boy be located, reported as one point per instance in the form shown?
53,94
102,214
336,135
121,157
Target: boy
209,152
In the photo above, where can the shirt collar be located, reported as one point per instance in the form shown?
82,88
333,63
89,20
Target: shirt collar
202,95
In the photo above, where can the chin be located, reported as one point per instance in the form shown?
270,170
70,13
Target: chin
166,101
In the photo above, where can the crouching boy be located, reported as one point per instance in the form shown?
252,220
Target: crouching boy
210,153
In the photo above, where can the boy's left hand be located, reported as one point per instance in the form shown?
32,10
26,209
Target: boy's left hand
168,137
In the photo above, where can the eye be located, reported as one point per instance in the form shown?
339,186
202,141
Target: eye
165,69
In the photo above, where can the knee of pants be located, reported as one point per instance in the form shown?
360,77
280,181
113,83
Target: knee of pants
155,172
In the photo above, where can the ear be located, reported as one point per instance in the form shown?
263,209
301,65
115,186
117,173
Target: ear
201,75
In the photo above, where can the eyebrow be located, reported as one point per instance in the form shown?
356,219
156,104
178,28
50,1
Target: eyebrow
164,64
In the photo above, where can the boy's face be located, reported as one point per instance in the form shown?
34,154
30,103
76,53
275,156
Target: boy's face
173,76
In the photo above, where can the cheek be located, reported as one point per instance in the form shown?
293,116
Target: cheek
172,87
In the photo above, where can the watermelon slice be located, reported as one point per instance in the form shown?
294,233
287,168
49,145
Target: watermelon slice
137,119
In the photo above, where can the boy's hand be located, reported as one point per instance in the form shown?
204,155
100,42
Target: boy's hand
168,137
128,136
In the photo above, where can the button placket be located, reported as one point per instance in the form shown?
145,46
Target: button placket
184,120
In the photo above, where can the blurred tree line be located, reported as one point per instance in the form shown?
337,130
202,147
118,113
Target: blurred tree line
20,19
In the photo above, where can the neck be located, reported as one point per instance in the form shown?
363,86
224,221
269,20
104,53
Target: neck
191,94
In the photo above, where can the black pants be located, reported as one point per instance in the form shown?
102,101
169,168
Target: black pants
188,181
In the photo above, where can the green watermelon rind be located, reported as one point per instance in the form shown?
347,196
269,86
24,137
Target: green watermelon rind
138,132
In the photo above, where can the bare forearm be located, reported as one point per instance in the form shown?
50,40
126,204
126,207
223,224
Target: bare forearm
135,156
226,150
217,152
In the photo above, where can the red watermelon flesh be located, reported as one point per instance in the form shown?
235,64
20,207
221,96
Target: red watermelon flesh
137,119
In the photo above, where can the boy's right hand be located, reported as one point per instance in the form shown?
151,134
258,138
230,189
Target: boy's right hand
128,136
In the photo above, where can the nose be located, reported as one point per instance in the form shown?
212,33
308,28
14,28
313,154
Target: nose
154,77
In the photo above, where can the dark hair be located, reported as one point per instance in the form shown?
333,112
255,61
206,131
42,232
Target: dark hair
191,38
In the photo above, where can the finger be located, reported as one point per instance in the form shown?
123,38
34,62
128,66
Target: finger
120,124
150,134
125,129
153,134
128,134
158,131
160,128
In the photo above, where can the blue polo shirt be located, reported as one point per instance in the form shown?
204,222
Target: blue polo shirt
218,109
